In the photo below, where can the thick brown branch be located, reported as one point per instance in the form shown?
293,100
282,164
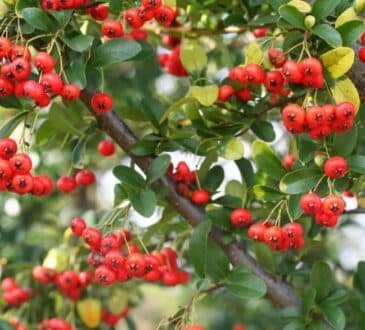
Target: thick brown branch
278,291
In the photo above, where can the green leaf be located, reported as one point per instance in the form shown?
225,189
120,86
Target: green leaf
344,144
243,284
4,325
62,17
322,8
294,208
128,175
198,247
210,158
80,43
267,194
78,153
264,130
144,202
267,160
292,15
300,181
231,148
350,32
10,102
229,201
265,257
193,56
356,163
343,89
217,262
12,124
321,279
62,120
335,316
144,147
114,51
38,19
328,34
236,189
246,170
206,95
308,301
158,168
336,297
214,178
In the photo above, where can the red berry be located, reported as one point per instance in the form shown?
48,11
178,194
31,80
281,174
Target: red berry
109,243
274,81
335,167
164,15
92,237
8,284
112,28
183,169
47,184
101,103
136,265
104,275
200,196
244,94
85,177
20,164
145,14
5,46
50,4
133,19
294,117
70,92
33,90
345,111
151,4
98,11
291,72
44,275
256,231
288,161
361,54
333,205
6,87
115,260
293,230
78,225
18,51
326,220
274,237
20,68
276,57
66,184
260,32
253,74
310,67
44,62
52,83
315,116
310,203
6,172
106,148
225,92
240,218
329,114
85,279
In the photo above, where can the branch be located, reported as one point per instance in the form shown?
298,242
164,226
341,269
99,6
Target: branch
278,291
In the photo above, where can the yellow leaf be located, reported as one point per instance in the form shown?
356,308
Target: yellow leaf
118,301
206,95
170,3
232,149
89,311
344,90
347,16
302,6
254,53
193,56
338,61
56,259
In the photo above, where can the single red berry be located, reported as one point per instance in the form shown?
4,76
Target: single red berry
52,83
50,4
6,87
104,275
22,183
101,103
70,92
115,260
78,225
345,111
291,72
106,148
85,177
243,94
67,4
260,32
333,205
136,265
44,275
326,220
274,237
293,230
8,148
171,277
200,196
66,184
294,118
310,67
151,4
6,172
5,46
315,116
92,237
288,161
112,28
85,279
19,51
335,167
240,218
20,68
164,15
33,90
44,62
311,203
139,34
225,92
145,14
20,164
276,57
256,231
274,81
183,169
361,54
43,101
8,284
98,11
109,243
47,184
253,74
133,19
329,114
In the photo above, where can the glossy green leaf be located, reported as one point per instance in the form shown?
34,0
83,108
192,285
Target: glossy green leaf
78,153
292,15
11,125
321,279
356,163
38,18
231,148
80,43
264,130
294,208
214,178
243,284
322,8
246,170
267,160
158,168
300,181
217,262
10,102
328,34
350,32
114,51
267,194
335,316
198,247
335,298
308,301
144,202
128,175
344,144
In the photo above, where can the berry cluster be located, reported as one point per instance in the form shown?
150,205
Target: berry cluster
70,283
55,323
186,183
319,121
115,259
112,319
83,178
289,236
15,172
16,65
171,62
308,72
13,294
